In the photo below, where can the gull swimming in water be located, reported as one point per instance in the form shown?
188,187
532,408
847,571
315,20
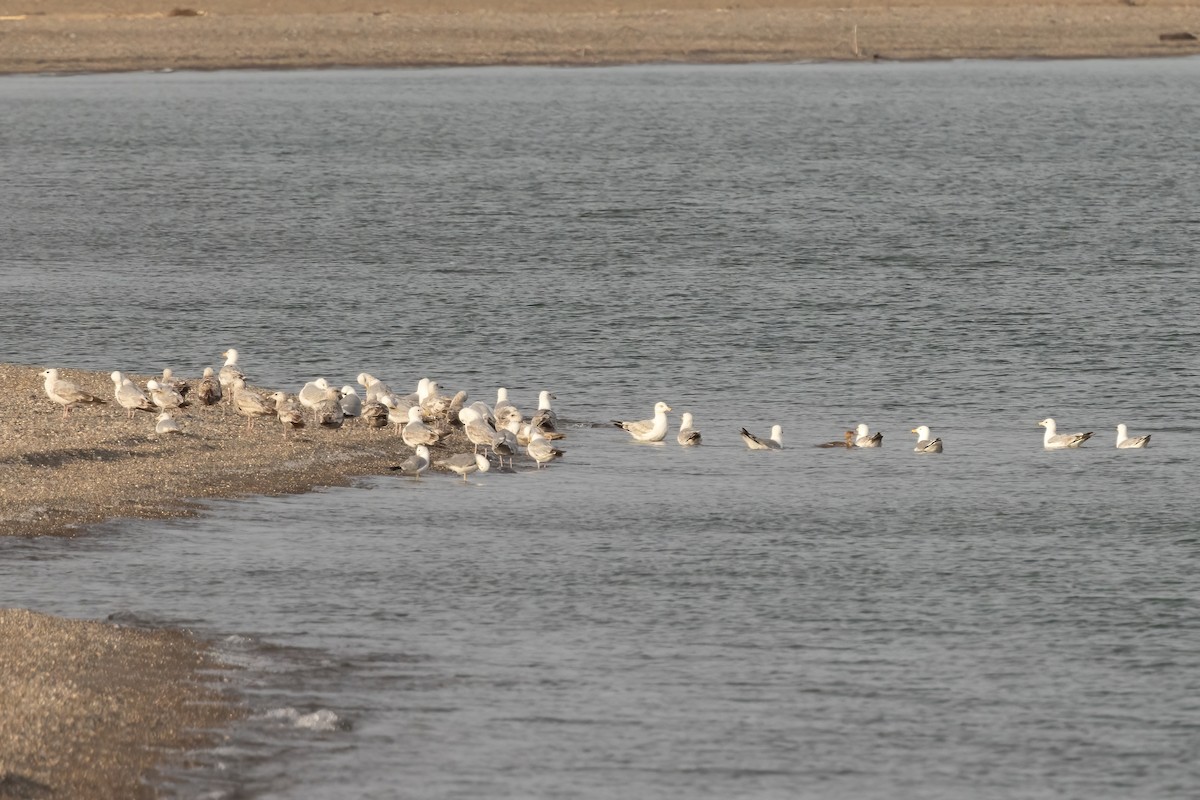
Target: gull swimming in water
863,437
65,393
166,425
688,436
925,444
847,442
208,390
541,450
1127,442
415,464
466,463
230,371
775,442
1059,441
648,430
129,396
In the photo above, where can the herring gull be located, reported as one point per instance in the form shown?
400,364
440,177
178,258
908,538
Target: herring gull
328,412
287,409
775,442
541,451
688,436
65,393
864,438
251,404
925,442
648,430
415,464
166,425
466,463
545,419
1058,441
129,396
375,414
208,390
416,432
1127,442
313,393
165,397
351,402
230,371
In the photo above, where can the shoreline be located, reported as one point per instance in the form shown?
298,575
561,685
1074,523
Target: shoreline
71,36
60,475
93,709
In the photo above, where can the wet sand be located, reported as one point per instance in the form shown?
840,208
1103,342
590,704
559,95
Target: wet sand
55,36
88,710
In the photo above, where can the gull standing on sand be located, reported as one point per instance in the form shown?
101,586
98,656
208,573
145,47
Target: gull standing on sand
164,396
466,463
166,425
775,442
925,442
1053,440
230,371
688,436
374,388
287,409
65,393
541,450
129,396
208,390
478,432
1127,442
328,412
648,430
251,404
313,393
351,402
416,432
415,464
169,379
864,438
375,414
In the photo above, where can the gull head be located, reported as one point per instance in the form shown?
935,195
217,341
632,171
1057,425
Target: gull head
686,420
777,432
861,430
922,432
230,356
116,376
1048,422
661,407
152,385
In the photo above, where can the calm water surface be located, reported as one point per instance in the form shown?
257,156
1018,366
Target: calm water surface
972,246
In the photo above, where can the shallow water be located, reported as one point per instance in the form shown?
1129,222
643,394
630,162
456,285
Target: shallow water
972,246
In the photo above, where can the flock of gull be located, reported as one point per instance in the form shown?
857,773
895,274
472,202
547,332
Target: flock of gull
425,417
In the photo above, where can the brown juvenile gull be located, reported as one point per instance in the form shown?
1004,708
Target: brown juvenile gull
251,404
648,430
846,442
208,390
328,412
288,410
65,393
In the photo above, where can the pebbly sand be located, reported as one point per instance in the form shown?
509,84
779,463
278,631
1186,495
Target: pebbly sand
91,709
55,36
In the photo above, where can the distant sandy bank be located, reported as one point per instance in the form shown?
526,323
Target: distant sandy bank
57,36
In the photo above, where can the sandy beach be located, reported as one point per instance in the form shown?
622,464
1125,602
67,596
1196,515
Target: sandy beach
59,36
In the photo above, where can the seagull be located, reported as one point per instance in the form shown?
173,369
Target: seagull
65,393
925,444
862,437
230,371
501,401
208,390
466,463
374,387
1058,441
169,379
287,409
164,396
329,412
688,436
1127,442
313,393
847,442
417,432
415,464
505,444
251,404
477,430
129,396
541,450
166,425
351,402
756,443
648,430
545,419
